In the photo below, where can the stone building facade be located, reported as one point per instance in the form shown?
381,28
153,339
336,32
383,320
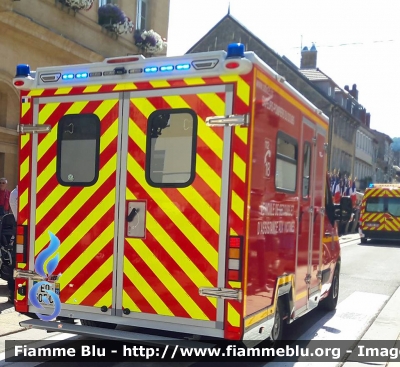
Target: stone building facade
49,33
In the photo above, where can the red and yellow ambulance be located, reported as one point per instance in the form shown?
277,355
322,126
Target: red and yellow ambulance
188,194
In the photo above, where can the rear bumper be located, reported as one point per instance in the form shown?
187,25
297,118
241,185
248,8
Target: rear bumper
380,235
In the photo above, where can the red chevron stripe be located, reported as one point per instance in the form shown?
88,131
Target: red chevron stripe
173,268
155,283
185,243
137,297
97,294
89,270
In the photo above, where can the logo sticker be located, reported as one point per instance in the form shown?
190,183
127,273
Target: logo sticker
45,286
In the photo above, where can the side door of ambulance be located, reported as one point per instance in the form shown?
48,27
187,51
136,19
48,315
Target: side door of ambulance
174,209
73,195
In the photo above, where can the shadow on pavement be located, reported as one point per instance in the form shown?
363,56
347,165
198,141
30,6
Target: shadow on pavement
382,243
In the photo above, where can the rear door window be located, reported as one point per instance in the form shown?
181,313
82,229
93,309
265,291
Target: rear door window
393,206
376,205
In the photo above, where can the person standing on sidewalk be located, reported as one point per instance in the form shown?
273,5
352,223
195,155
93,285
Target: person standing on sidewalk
4,197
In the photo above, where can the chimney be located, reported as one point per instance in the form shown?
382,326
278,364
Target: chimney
346,88
368,118
308,58
354,92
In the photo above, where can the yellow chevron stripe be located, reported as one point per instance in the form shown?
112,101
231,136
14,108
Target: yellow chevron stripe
25,138
20,297
168,280
46,112
213,141
70,210
62,91
92,89
241,133
23,199
24,168
25,107
235,284
233,316
46,173
160,84
36,92
145,289
194,81
392,226
46,143
202,207
215,103
128,303
232,232
170,209
243,89
124,86
106,300
239,167
92,282
91,251
237,205
208,175
187,266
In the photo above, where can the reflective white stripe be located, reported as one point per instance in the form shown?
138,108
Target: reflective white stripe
233,264
20,249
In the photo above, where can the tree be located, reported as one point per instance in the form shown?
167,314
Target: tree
396,145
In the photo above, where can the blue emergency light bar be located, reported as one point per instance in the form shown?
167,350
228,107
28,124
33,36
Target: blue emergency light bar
371,185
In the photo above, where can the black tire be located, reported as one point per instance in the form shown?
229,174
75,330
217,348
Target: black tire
364,240
330,302
277,329
101,324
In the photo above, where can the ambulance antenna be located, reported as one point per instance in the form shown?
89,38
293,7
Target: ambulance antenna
229,8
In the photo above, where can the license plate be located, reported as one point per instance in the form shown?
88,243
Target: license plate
373,224
42,292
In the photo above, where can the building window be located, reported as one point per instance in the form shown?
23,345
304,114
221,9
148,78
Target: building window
141,14
171,148
78,150
286,163
105,2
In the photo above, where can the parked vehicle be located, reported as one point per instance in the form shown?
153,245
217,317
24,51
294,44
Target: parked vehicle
380,212
189,195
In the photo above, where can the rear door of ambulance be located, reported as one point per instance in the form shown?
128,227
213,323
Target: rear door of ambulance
134,185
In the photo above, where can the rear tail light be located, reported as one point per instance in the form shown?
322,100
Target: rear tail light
235,251
21,245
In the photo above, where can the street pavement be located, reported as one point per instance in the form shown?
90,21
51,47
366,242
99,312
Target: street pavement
384,326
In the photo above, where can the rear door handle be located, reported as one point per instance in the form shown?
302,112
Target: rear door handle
132,214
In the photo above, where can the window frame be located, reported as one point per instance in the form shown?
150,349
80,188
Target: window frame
194,149
97,152
105,2
139,14
293,141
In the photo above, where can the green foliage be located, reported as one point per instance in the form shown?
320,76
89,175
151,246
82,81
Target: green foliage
396,145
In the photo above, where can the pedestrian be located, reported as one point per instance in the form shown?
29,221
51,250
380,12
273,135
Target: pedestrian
4,197
14,202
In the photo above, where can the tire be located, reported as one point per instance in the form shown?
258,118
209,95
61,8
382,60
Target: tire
277,329
330,302
92,323
364,240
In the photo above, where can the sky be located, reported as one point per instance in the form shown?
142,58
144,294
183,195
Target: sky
358,41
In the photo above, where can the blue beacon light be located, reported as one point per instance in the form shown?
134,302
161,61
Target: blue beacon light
235,50
22,70
68,76
151,69
183,67
81,75
167,68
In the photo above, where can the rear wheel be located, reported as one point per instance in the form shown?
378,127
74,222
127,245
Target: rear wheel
104,325
277,329
329,303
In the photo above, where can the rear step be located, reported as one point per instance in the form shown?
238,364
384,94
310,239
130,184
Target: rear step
102,333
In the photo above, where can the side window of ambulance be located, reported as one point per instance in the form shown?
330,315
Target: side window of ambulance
286,163
171,148
78,150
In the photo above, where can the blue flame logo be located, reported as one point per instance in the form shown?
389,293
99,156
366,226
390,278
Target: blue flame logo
46,275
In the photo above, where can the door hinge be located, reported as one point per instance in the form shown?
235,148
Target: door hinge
224,293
